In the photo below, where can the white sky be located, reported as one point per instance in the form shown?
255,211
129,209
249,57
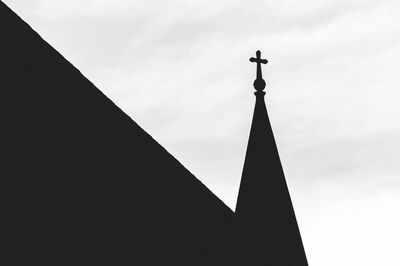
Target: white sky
180,69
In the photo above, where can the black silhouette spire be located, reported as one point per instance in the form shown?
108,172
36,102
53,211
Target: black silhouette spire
264,201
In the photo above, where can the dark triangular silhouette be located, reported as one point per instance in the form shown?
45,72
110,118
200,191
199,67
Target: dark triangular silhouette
264,201
79,177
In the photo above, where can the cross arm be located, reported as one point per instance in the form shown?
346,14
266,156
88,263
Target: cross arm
262,61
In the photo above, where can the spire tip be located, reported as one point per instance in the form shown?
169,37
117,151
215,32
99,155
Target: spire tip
259,83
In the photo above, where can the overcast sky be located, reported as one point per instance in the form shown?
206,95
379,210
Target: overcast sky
180,69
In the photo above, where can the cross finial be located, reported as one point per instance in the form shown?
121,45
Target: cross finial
259,83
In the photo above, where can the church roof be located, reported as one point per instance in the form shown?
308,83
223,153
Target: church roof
79,175
264,201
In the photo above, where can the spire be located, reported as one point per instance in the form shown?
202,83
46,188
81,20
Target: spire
264,201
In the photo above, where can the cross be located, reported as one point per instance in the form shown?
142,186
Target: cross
259,61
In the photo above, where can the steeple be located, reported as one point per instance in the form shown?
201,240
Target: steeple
264,201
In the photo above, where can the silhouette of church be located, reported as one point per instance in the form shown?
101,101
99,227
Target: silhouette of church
264,200
81,179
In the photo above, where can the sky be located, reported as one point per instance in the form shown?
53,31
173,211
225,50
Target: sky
180,69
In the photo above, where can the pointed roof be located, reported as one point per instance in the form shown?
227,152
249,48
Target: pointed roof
264,201
78,176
